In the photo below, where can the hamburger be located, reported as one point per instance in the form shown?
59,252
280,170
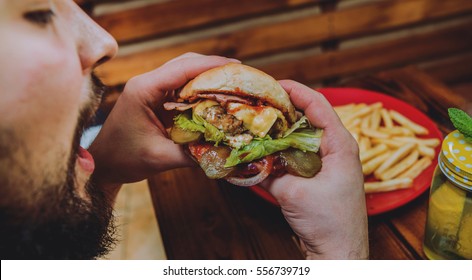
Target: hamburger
239,124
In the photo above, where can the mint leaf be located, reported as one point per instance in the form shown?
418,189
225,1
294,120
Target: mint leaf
462,122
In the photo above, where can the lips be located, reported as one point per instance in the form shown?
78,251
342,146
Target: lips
85,160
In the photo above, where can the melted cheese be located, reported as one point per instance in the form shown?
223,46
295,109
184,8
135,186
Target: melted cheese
257,119
201,106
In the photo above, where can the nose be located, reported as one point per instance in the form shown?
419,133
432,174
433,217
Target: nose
95,45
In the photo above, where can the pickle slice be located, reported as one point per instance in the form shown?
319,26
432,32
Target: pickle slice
299,163
181,136
213,162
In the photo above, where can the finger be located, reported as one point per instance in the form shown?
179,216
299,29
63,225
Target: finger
177,73
185,55
336,138
282,188
156,83
193,54
173,157
315,106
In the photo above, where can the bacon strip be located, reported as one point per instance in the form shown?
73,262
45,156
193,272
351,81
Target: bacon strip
224,98
221,98
178,106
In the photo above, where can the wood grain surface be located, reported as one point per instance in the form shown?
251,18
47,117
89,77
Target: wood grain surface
204,219
361,60
296,34
171,16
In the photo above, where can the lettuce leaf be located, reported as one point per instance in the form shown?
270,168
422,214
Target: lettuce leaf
184,122
300,136
301,123
211,133
305,139
198,124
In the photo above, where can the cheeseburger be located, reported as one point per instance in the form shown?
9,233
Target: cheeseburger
238,123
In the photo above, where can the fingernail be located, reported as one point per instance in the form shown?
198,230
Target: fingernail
234,60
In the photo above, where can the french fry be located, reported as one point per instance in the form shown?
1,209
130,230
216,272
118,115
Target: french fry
389,142
358,112
401,119
400,166
375,119
416,168
389,148
365,123
376,105
396,156
344,108
343,117
353,123
431,142
369,166
377,150
387,120
426,151
364,144
396,131
390,185
355,133
373,133
345,111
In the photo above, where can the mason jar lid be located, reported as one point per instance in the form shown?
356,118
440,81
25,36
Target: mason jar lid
455,159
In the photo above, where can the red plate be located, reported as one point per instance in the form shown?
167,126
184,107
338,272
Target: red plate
382,202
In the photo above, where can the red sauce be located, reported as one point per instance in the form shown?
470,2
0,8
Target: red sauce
258,109
197,149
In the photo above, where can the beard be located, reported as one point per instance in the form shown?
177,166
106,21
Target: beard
54,221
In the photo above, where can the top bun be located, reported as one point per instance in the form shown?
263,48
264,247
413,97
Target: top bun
244,81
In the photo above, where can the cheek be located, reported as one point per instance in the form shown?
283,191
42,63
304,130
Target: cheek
41,98
53,91
54,82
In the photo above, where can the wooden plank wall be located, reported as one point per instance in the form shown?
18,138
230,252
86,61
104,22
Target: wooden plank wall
317,42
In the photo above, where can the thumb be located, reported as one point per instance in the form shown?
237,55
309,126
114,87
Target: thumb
174,74
284,188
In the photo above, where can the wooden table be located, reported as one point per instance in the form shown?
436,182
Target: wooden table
204,219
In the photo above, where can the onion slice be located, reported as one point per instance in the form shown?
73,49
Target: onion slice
252,181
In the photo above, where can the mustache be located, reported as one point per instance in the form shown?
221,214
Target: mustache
98,87
87,114
96,92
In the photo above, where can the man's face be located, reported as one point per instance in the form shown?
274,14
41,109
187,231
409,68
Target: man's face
48,51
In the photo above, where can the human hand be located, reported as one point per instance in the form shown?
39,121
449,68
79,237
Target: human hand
328,211
133,142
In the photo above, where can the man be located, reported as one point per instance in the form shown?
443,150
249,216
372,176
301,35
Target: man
56,198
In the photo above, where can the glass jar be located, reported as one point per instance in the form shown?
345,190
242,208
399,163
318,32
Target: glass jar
448,233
